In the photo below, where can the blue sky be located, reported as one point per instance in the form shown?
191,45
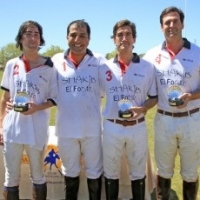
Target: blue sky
54,16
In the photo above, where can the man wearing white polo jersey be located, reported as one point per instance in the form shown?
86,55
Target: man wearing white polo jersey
177,122
78,122
126,79
28,77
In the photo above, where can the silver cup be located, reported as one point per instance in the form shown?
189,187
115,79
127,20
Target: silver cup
174,93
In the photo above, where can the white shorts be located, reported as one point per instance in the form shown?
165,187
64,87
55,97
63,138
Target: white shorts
177,135
70,151
132,139
12,153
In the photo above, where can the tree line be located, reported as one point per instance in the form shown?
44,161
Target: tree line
11,51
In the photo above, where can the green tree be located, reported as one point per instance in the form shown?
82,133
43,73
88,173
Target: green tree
111,54
52,51
8,52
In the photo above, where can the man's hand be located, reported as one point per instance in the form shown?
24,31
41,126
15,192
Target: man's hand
137,111
1,136
32,108
186,98
9,105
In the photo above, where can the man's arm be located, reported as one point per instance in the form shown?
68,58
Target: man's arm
4,98
37,107
149,103
186,97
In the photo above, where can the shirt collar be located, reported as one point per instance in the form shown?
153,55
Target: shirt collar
88,51
186,44
135,59
48,61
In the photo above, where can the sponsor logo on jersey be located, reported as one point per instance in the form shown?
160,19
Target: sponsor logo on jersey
92,65
188,60
44,79
139,75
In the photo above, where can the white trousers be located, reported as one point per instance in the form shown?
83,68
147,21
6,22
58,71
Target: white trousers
177,135
71,150
134,140
12,153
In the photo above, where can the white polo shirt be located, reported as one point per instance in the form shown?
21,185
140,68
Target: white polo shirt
183,71
135,85
40,84
79,98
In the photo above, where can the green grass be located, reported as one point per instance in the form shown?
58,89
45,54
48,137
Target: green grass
53,116
1,73
176,181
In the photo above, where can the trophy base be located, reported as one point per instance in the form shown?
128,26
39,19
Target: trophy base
21,108
125,114
176,102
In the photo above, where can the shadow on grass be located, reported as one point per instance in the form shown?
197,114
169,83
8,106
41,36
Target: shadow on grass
173,195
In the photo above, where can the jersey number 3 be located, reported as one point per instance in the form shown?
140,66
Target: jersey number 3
109,76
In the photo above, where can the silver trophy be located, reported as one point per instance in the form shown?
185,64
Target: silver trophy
20,103
124,106
174,93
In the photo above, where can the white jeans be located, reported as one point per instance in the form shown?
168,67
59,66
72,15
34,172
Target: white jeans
133,139
12,153
177,135
70,151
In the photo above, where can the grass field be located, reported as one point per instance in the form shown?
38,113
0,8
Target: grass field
176,193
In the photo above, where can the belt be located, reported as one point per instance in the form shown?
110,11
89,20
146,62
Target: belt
126,122
179,114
